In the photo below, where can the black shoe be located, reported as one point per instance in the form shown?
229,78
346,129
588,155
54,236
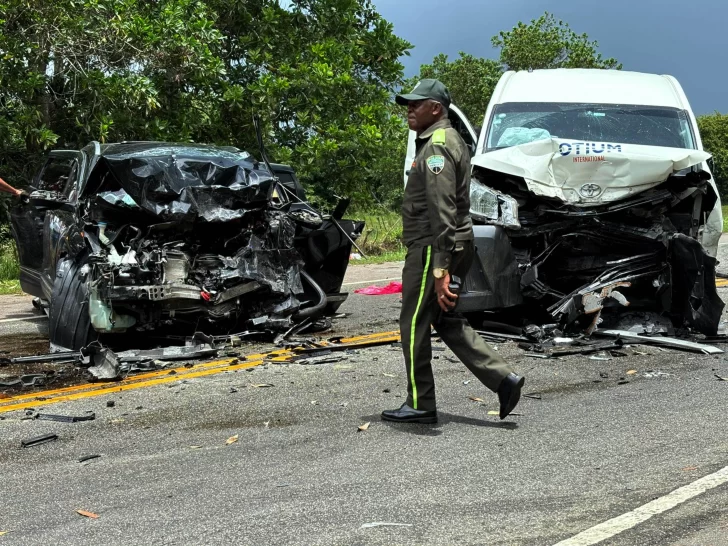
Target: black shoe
509,393
406,414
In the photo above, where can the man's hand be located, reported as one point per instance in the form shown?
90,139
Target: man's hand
445,298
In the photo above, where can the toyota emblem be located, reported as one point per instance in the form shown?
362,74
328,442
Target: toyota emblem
590,190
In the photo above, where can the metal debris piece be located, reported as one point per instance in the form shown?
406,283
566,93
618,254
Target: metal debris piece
27,380
62,357
326,359
589,349
39,440
649,323
384,524
652,374
164,354
105,363
85,458
66,418
498,337
659,340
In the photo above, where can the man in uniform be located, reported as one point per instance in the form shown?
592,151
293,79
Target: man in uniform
438,233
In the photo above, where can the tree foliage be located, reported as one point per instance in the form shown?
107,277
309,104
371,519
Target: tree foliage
548,43
320,73
470,80
714,133
543,43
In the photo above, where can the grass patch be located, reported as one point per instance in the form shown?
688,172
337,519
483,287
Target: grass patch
10,287
393,256
382,233
9,266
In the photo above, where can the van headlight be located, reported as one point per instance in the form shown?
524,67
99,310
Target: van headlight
493,207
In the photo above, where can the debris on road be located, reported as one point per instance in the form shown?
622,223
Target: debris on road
384,524
90,416
27,380
394,287
365,426
231,440
105,362
87,514
39,440
660,340
85,458
652,374
721,378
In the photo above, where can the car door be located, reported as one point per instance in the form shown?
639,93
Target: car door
459,122
37,223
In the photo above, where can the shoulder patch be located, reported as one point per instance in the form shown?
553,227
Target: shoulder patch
439,136
436,163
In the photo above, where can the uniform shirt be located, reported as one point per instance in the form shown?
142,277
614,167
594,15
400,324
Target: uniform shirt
436,205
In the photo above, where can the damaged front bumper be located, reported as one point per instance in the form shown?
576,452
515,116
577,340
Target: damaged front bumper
583,263
183,235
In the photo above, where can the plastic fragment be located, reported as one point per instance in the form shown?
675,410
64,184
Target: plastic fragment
394,287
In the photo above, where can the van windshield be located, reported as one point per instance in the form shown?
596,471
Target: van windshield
517,123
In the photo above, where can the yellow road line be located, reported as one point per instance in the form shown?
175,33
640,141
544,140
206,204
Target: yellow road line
170,375
183,371
721,282
125,387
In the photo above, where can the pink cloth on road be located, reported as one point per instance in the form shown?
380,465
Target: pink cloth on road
393,287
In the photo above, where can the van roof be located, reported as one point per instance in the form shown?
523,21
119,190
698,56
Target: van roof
590,86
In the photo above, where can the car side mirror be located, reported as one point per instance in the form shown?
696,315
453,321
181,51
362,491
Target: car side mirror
711,164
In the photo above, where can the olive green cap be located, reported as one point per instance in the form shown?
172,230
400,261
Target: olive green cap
426,89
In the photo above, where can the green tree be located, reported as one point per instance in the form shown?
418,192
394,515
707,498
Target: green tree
714,133
470,79
543,43
548,43
319,72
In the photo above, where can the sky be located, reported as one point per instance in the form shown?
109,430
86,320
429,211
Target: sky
686,39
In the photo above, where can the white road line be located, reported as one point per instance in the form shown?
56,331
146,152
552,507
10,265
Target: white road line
3,321
626,521
371,282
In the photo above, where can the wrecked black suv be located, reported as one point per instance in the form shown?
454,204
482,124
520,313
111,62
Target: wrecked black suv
140,236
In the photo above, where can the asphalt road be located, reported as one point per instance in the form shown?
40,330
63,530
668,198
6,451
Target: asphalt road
594,443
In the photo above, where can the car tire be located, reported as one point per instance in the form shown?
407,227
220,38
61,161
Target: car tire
69,319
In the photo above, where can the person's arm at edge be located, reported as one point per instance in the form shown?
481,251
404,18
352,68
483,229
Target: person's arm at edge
7,188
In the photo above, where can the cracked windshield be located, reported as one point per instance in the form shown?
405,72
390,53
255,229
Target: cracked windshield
522,122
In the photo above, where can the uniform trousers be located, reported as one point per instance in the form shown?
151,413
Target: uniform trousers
420,310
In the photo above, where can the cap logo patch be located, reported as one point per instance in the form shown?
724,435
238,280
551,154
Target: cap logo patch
436,163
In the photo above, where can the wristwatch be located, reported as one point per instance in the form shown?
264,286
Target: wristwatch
439,273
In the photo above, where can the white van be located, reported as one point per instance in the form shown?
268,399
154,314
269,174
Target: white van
591,193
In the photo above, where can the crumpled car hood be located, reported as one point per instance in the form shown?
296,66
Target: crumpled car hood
179,183
586,174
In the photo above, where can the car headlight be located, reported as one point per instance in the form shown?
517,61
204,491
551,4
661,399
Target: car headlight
493,207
